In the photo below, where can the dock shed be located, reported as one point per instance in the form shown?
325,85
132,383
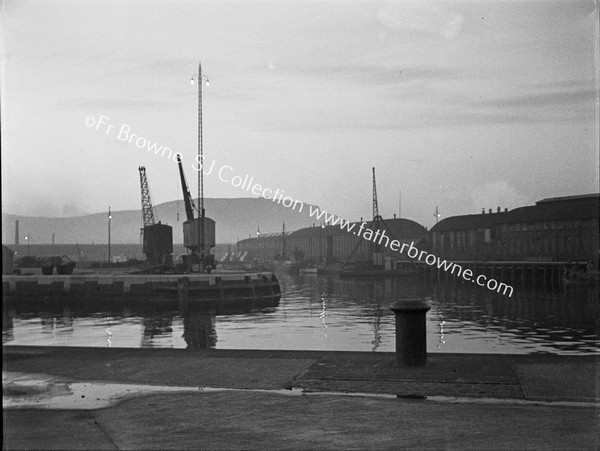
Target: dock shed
8,260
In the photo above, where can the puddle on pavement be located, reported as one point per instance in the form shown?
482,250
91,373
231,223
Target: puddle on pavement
41,391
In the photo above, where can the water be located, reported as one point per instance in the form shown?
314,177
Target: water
324,313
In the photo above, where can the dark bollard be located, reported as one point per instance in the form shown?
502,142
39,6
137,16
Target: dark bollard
411,331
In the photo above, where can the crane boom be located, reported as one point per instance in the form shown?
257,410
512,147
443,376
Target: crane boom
187,197
147,210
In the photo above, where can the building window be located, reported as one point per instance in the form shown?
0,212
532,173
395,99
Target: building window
472,238
487,233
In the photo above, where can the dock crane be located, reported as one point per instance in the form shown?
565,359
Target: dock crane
198,233
158,237
377,223
187,197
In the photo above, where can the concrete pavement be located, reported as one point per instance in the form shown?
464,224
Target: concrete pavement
297,400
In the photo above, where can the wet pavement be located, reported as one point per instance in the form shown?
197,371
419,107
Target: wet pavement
90,398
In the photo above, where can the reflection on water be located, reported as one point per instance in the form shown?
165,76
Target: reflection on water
320,313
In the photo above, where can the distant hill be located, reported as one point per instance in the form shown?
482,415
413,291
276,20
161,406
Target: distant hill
235,218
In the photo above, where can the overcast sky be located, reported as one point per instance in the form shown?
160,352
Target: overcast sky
461,105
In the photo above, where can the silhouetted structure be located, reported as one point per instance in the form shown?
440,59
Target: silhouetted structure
331,244
554,229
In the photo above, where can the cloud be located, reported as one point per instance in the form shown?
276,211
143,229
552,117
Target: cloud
555,98
421,17
370,74
154,65
114,104
554,102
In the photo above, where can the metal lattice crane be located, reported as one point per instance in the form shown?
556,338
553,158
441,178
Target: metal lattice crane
147,210
157,237
376,216
376,224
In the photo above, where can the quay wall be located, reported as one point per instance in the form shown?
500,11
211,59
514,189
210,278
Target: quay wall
184,286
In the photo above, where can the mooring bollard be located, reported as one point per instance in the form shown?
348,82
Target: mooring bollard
411,331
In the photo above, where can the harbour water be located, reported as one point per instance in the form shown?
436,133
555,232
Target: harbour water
325,313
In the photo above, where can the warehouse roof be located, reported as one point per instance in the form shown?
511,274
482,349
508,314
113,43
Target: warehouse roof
551,209
401,229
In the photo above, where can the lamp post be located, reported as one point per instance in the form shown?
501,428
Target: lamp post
27,239
109,218
202,215
258,245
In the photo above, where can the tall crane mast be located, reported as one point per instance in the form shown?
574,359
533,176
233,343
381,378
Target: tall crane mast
147,210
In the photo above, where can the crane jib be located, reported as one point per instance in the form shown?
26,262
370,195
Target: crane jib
187,198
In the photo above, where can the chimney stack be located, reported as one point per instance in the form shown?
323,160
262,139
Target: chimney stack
490,211
498,211
17,232
505,210
483,211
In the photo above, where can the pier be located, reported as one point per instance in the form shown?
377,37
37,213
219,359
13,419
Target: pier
192,287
